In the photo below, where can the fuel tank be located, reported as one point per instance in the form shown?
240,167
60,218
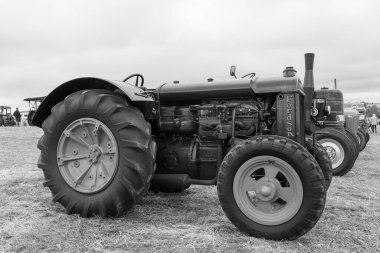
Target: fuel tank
193,93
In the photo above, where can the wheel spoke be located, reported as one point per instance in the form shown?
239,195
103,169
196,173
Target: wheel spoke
286,194
264,206
270,171
95,177
87,132
104,170
62,159
81,177
77,139
249,184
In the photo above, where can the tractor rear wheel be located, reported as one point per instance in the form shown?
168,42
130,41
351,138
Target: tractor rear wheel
97,154
322,157
340,148
271,187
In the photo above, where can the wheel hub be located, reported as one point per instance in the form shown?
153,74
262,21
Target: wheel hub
331,152
95,153
266,190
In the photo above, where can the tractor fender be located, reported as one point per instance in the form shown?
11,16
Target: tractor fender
134,94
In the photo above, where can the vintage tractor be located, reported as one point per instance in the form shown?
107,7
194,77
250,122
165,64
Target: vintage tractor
335,129
33,106
363,125
352,123
6,117
106,143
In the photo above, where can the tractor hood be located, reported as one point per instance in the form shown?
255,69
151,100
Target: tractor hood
229,89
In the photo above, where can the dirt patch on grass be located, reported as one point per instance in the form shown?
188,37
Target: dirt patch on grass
192,221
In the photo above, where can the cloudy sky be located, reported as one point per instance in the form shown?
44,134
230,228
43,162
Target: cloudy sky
45,43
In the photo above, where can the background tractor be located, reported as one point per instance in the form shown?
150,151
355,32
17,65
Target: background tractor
105,143
34,103
6,117
363,125
336,129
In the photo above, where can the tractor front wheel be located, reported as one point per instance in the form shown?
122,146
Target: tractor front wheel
322,157
361,139
340,148
366,134
354,140
271,187
97,154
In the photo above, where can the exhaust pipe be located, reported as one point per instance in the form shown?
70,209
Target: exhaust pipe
308,87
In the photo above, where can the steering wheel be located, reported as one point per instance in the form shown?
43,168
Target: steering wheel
138,76
250,74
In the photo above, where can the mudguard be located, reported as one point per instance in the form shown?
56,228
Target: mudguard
133,93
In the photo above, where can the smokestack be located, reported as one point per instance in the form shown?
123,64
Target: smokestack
308,87
335,83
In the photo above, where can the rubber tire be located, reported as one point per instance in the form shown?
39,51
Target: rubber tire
352,136
362,142
347,144
30,117
366,134
307,168
322,158
132,133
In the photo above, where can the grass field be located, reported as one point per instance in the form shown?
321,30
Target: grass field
192,221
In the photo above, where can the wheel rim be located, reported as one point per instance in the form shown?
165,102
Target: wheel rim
268,190
87,155
335,151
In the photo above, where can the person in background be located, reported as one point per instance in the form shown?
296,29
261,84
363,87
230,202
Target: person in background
17,115
373,123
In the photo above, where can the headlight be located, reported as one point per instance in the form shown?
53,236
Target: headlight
361,117
328,110
314,111
340,118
